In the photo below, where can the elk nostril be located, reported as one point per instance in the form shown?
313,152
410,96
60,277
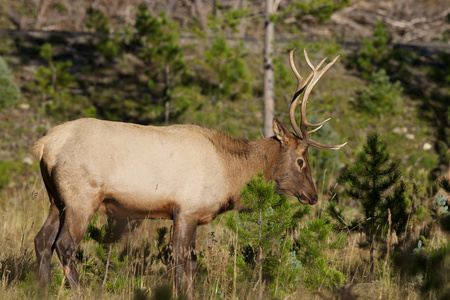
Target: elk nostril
314,200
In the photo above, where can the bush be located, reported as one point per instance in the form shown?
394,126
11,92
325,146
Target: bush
262,229
375,53
9,90
316,238
53,81
381,96
98,23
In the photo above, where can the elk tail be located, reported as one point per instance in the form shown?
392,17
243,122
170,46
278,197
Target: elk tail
38,149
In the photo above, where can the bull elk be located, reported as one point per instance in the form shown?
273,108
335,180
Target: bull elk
185,173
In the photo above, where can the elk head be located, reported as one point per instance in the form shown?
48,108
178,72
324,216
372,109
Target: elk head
292,173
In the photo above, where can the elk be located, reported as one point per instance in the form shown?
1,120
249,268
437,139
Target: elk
185,173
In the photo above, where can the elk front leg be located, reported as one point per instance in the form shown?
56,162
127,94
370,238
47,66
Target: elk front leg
184,232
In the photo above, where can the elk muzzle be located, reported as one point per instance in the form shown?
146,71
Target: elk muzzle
305,200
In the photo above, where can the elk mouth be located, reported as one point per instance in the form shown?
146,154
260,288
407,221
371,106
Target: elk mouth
305,200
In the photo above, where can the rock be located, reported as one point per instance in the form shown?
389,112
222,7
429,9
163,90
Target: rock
28,160
410,136
427,146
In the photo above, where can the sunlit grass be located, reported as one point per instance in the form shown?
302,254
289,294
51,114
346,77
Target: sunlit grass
24,210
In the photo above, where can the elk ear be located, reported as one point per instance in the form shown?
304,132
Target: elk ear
281,132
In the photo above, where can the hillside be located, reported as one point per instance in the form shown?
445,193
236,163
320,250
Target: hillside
409,21
202,64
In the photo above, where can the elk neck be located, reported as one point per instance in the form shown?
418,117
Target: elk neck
243,159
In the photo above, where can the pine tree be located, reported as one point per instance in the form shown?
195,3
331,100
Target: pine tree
159,38
9,90
315,239
374,181
375,53
262,227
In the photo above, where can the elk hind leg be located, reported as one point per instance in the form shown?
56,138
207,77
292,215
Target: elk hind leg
44,243
72,231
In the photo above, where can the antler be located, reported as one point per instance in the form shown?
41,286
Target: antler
303,132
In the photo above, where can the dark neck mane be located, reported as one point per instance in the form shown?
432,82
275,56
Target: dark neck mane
246,157
230,146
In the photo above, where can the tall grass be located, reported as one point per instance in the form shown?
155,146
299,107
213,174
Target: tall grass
136,272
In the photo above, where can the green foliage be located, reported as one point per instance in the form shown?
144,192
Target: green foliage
106,252
227,70
56,76
161,53
380,97
164,248
429,267
441,203
6,45
320,9
324,163
159,38
316,238
226,74
375,53
228,19
261,229
9,90
263,208
374,181
163,292
98,23
7,171
421,215
429,264
53,83
441,74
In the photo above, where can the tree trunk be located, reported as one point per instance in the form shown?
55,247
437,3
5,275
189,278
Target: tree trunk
269,105
260,257
166,112
371,262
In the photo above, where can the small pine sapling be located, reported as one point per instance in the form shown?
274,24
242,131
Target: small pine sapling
375,53
8,88
374,181
261,230
441,203
316,237
106,250
161,53
108,45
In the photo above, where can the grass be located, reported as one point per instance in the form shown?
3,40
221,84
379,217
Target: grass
24,210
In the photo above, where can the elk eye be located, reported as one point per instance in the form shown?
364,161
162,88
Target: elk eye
300,162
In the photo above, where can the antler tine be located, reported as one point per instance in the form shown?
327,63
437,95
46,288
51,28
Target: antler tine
301,83
317,74
324,146
320,126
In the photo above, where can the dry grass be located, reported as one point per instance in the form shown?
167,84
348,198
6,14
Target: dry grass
24,210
